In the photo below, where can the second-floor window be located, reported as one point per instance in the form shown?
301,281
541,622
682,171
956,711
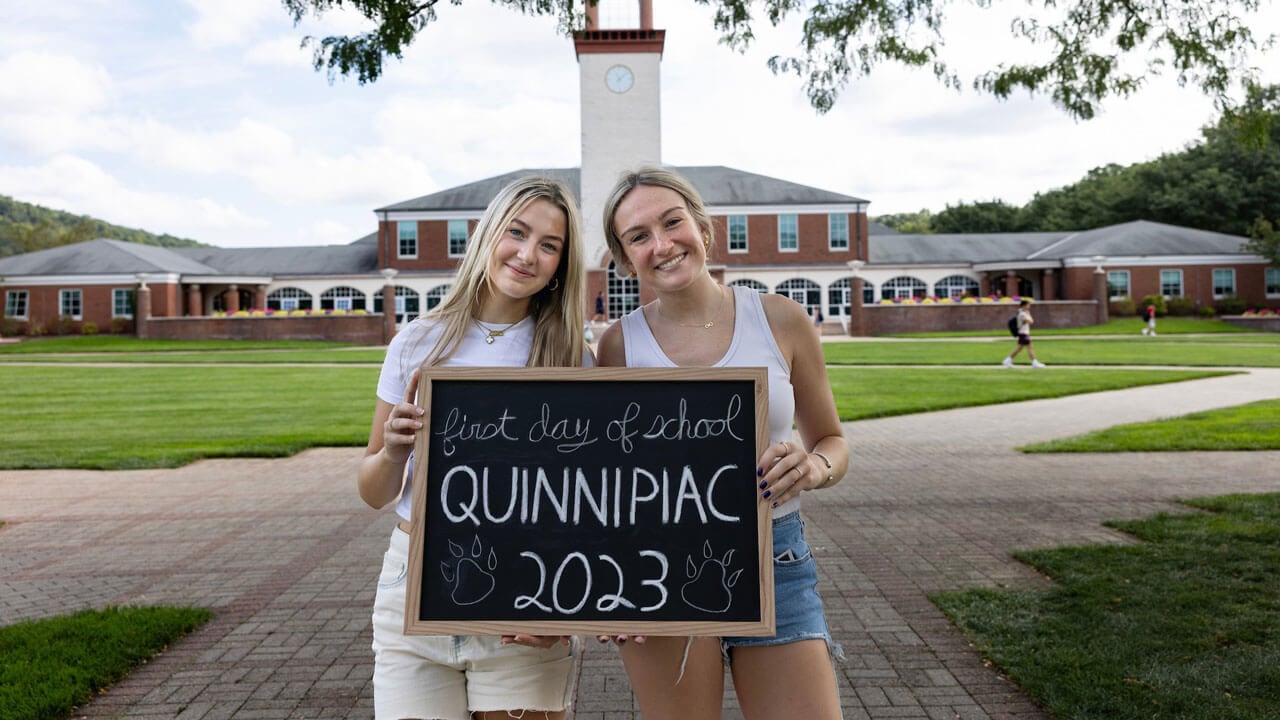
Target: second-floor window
1224,282
737,233
457,238
788,233
838,231
408,233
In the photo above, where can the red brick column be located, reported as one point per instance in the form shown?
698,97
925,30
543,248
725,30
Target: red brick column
260,297
1048,289
142,311
388,312
195,300
1010,283
233,299
857,314
1100,294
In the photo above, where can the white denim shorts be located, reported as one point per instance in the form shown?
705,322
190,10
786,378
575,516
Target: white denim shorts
451,676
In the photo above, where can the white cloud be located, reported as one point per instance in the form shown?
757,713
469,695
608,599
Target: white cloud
229,22
77,185
282,51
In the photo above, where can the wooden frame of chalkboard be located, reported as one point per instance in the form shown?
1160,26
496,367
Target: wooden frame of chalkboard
560,501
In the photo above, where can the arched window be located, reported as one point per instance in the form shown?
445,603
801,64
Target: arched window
624,293
342,298
838,298
436,294
753,284
903,287
955,286
289,298
806,292
408,303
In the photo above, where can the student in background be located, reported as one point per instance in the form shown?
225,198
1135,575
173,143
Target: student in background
517,302
658,229
1150,316
1025,321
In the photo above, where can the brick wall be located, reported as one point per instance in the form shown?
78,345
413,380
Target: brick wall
362,329
896,319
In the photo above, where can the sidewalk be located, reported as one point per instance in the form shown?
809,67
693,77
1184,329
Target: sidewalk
286,555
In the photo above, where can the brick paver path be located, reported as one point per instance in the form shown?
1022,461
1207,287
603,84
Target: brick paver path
286,554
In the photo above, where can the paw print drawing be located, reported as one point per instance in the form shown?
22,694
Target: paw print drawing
710,588
471,582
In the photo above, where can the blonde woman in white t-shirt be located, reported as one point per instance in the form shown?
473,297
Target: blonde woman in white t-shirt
516,301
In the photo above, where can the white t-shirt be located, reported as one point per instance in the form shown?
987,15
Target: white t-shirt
410,347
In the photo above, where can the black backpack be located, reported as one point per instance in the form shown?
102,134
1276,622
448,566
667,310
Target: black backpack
1013,326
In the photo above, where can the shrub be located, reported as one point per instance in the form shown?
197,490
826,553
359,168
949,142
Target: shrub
1181,306
1158,301
120,326
89,328
35,330
1123,307
66,325
9,327
1231,305
1206,312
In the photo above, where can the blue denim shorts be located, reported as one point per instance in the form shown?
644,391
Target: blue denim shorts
798,607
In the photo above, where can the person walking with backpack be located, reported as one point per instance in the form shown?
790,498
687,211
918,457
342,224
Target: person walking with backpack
1024,321
1150,316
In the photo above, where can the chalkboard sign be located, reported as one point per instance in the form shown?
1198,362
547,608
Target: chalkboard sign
560,501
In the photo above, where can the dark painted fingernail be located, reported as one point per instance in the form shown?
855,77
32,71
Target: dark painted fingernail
764,484
767,493
759,471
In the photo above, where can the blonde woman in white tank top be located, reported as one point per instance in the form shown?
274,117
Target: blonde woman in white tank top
658,230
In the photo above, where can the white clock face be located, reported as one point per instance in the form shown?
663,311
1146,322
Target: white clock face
619,78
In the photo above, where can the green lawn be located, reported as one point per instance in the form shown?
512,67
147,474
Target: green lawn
1255,426
1114,326
126,343
1216,352
49,667
134,417
1185,625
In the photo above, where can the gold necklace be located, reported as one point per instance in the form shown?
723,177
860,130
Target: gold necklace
491,333
704,325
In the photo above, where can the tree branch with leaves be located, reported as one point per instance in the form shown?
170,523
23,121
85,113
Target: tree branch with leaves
1094,49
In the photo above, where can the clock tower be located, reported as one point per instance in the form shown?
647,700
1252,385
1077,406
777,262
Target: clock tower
621,128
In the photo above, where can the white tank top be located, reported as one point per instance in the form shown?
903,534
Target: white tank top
753,345
415,341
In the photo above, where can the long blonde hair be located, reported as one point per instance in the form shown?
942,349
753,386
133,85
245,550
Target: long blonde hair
556,309
653,177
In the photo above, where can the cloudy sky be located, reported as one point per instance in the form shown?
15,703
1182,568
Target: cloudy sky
204,119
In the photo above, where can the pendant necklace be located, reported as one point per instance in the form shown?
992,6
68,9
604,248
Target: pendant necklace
491,333
704,325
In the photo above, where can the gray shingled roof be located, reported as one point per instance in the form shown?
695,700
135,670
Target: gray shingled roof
351,259
1142,237
912,249
719,186
103,257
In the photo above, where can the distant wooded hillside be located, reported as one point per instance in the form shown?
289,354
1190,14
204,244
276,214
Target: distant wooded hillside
25,227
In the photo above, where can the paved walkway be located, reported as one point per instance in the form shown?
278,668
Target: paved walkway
286,554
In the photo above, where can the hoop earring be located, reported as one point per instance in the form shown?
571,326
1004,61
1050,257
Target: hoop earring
554,285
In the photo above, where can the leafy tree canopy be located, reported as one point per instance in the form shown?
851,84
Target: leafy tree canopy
1228,181
25,228
1093,49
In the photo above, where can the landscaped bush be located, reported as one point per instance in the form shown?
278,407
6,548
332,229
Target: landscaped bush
9,327
35,330
121,326
1158,301
89,328
1231,305
1206,312
1182,306
1123,307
